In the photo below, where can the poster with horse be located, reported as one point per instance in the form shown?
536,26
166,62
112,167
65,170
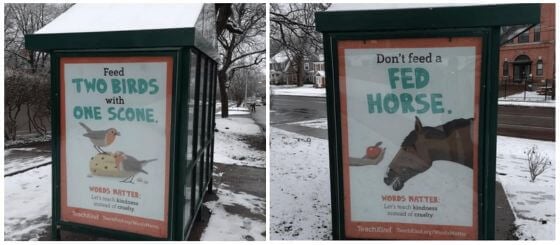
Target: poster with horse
409,124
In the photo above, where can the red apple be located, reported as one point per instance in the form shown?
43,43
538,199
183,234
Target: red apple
373,151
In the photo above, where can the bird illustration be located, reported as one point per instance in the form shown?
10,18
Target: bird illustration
130,165
100,138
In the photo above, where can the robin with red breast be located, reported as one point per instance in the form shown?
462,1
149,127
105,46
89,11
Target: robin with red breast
130,165
100,138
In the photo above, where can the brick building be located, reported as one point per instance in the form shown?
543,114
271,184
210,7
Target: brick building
531,55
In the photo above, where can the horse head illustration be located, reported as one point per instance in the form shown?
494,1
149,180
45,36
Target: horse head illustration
451,141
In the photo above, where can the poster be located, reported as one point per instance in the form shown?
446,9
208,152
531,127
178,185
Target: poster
409,117
115,134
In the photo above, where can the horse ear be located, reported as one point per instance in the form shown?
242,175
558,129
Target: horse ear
417,125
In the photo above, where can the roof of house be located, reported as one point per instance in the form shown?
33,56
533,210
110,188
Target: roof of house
320,73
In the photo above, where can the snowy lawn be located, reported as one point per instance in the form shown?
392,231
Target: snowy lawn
306,90
233,111
320,123
27,204
528,98
224,226
230,142
16,159
547,103
299,187
27,139
532,203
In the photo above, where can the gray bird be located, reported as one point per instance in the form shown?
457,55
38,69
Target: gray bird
101,138
130,165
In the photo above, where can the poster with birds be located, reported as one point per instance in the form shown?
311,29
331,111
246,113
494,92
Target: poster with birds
115,137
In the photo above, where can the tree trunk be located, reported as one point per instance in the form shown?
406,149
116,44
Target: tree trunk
222,79
28,117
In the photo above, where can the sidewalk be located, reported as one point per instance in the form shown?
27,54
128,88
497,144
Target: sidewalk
236,210
260,116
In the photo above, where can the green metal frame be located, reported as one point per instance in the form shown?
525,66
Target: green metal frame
487,123
428,18
198,156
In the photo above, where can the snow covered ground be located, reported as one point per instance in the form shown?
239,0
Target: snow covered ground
233,110
306,90
229,146
16,159
548,103
532,203
27,204
224,226
28,138
320,123
299,187
529,98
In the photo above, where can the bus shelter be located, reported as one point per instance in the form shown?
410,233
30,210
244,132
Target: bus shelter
412,111
133,102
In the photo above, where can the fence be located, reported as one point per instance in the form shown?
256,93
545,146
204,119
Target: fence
527,90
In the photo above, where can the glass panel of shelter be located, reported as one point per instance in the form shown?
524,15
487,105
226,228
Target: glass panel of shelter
203,131
210,120
188,193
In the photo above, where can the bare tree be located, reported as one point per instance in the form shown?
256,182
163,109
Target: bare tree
21,19
27,72
292,28
242,46
537,162
245,83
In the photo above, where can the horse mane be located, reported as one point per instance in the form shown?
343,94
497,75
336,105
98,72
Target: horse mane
439,132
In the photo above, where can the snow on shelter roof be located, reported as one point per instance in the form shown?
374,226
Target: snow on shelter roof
127,26
121,17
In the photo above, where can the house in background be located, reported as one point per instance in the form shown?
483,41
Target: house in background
318,71
531,56
283,70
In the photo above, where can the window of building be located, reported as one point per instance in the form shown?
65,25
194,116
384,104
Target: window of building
537,33
306,66
505,69
523,38
539,68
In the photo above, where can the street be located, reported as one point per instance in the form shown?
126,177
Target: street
290,109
